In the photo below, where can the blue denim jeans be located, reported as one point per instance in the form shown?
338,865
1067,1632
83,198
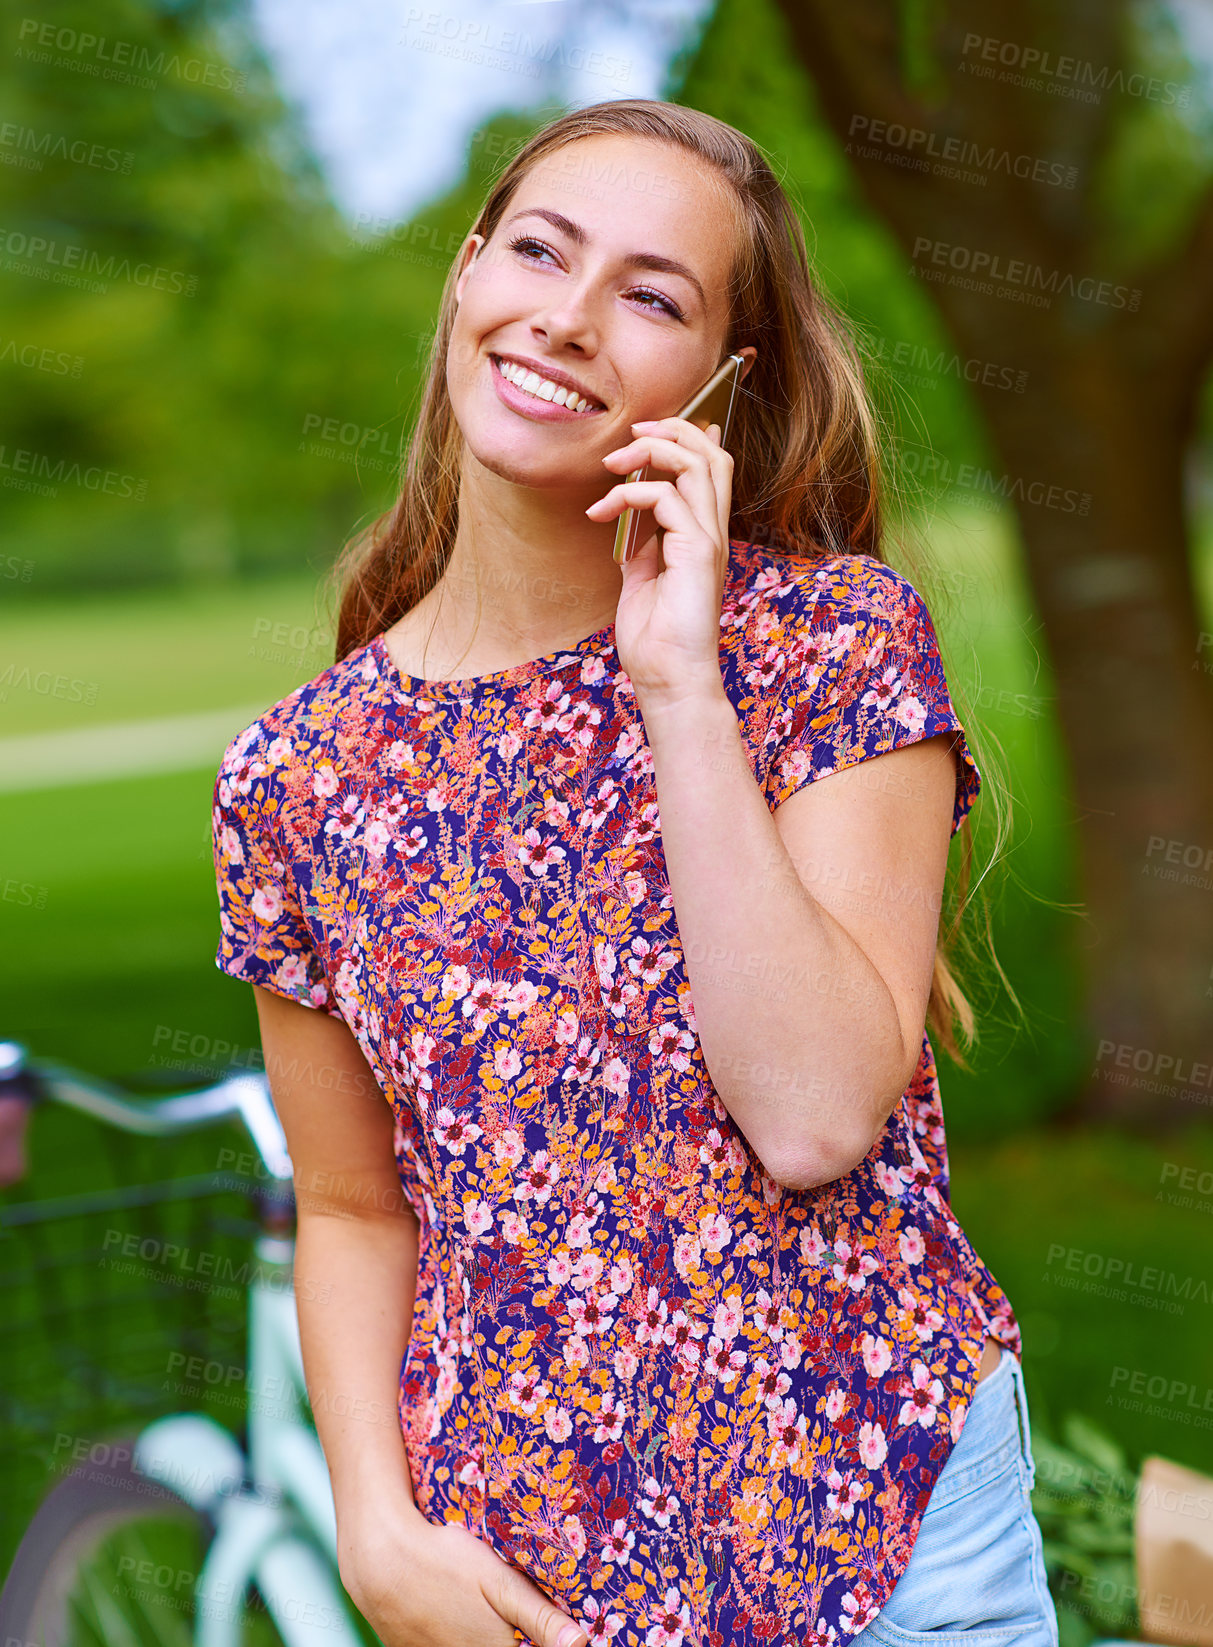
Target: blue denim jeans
976,1574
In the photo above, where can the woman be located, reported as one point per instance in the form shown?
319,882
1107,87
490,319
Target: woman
597,919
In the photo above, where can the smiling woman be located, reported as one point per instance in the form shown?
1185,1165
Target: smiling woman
624,891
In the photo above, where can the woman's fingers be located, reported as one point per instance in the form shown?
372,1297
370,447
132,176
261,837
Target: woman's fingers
525,1606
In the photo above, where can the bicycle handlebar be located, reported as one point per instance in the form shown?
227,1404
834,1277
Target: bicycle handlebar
245,1095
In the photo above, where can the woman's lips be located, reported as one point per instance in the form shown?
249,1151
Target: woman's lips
534,406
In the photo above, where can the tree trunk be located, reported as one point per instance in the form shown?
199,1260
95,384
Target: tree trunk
1093,456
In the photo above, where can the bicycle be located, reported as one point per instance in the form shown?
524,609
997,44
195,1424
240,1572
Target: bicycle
263,1512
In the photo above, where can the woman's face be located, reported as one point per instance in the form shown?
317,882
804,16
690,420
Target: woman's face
608,271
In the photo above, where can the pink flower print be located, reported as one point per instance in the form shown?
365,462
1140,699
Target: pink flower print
582,1063
891,1179
589,1316
853,1267
615,1077
877,1356
456,981
911,1245
766,1316
668,1042
714,1152
229,845
414,842
574,1532
618,1543
622,1275
324,782
873,1449
513,1228
519,997
581,723
267,903
885,690
245,774
840,642
508,1147
558,1425
656,1503
649,963
788,1429
477,1217
377,837
538,1179
924,1395
599,1624
836,1405
292,975
772,1384
576,1352
822,1635
471,1475
453,1132
650,1329
812,1248
565,1028
626,1365
845,1492
681,1331
609,1419
715,1231
686,1254
600,805
910,713
480,1002
279,751
723,1363
506,1061
859,1611
586,1270
554,812
346,819
926,1320
539,855
552,705
525,1392
399,755
670,1623
560,1268
617,993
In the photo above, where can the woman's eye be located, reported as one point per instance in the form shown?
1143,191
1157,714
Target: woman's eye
525,245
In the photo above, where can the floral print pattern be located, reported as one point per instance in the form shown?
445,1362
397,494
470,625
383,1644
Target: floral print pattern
693,1406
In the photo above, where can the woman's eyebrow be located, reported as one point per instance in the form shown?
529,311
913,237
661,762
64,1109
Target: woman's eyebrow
637,260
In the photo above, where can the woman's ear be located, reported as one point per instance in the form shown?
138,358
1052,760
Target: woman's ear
751,354
471,252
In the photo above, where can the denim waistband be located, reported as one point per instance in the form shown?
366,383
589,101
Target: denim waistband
996,1432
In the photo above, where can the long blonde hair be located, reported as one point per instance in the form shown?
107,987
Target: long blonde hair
808,476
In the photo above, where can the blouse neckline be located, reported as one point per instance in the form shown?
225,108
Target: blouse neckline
518,674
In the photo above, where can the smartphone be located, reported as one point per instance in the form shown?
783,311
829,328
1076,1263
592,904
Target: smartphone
712,403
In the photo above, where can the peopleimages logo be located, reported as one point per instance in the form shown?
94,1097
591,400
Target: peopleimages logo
1036,283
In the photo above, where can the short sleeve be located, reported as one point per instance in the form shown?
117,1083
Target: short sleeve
861,675
264,937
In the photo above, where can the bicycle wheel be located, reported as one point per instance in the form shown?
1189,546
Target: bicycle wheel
111,1559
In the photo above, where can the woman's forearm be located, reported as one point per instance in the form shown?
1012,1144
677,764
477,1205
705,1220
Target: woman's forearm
737,894
355,1282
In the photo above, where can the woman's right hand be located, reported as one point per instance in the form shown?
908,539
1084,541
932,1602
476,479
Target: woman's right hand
424,1585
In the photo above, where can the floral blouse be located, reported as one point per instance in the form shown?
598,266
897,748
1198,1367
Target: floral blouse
692,1406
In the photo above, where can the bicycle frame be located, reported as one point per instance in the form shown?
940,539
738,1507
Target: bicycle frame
272,1508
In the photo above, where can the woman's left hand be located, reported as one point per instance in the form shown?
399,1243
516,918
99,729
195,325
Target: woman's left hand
667,625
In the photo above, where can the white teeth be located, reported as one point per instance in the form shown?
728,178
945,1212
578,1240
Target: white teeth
542,388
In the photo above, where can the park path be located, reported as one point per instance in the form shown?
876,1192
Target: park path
123,749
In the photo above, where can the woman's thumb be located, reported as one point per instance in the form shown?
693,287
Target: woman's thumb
524,1605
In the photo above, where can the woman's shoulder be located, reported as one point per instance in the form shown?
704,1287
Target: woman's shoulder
781,589
308,721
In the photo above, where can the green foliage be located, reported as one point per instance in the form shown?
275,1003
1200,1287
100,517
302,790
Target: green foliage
1084,1499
